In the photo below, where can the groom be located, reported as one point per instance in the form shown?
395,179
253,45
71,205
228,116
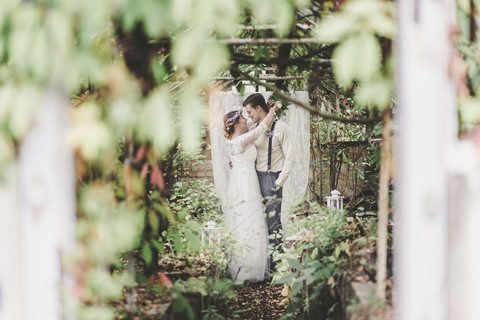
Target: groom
274,164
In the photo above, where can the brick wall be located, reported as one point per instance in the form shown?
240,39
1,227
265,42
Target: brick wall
197,171
348,185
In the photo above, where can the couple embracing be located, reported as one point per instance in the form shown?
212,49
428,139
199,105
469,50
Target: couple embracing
261,160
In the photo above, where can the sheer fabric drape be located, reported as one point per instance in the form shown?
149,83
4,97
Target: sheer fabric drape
298,120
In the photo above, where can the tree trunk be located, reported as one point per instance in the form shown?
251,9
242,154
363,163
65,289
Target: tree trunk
383,204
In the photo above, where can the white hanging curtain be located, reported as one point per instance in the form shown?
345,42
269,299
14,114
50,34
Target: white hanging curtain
298,120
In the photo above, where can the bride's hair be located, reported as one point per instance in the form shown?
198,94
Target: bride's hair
229,121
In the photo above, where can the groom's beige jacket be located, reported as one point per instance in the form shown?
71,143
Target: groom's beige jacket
282,152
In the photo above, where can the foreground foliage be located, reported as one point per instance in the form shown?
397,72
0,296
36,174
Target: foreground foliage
326,244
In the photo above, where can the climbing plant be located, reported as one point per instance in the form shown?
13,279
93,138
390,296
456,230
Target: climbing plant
138,74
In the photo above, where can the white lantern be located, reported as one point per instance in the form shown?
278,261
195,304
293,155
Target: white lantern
209,231
335,200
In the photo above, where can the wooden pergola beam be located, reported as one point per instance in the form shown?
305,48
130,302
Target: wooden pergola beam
302,104
274,41
296,61
268,78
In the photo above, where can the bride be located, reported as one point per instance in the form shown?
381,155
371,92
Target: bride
244,217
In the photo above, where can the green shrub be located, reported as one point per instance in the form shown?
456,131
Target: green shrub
328,243
196,199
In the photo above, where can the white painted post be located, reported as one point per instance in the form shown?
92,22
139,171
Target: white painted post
426,130
46,195
464,208
10,276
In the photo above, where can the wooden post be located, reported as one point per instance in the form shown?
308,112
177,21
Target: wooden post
426,131
46,208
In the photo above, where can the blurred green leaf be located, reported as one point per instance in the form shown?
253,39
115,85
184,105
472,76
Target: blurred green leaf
182,11
97,312
193,115
376,92
158,245
284,16
127,229
86,67
470,110
27,102
356,58
262,10
226,17
89,134
6,7
155,121
363,8
297,287
209,62
156,17
24,23
336,27
383,25
105,286
61,43
286,278
122,116
294,263
147,253
154,221
39,64
187,47
97,200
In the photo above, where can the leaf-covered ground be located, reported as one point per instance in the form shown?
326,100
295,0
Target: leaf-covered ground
254,301
153,300
257,301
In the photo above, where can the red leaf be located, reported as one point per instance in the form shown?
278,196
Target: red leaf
156,178
344,102
164,281
144,171
140,153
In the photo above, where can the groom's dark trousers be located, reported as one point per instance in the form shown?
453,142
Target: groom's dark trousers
272,199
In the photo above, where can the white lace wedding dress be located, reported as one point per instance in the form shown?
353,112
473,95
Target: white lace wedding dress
244,217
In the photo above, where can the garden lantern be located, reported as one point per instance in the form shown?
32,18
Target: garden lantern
209,230
335,200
